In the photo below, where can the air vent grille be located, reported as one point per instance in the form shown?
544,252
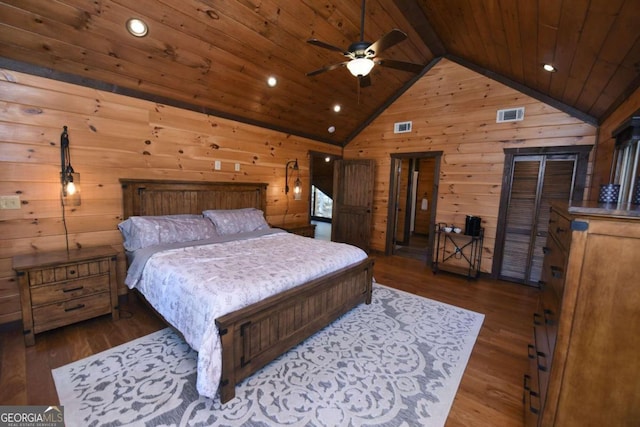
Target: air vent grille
402,127
510,115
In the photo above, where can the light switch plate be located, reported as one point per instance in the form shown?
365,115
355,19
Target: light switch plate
9,202
237,167
216,165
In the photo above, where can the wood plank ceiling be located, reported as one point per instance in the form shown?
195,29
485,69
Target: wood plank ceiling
216,55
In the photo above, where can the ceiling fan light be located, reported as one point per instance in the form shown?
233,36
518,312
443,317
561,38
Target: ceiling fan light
360,66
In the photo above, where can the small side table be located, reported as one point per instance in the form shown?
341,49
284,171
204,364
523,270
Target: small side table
458,253
306,230
60,288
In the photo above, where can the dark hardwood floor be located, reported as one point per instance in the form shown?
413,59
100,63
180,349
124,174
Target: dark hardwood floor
490,393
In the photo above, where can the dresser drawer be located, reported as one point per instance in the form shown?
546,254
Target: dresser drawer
51,316
553,269
542,358
531,395
62,291
551,316
560,229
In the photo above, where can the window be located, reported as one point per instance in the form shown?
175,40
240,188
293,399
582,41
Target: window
626,159
322,205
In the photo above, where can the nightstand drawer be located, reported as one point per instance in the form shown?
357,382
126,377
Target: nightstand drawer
62,291
51,316
66,272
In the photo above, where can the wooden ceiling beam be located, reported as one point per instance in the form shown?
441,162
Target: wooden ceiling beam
421,24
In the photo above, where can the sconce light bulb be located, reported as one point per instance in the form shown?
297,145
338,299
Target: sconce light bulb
71,188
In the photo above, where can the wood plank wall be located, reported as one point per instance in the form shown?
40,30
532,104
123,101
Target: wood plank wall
112,137
453,109
606,142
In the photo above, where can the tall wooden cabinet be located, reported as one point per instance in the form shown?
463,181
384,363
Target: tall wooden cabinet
584,354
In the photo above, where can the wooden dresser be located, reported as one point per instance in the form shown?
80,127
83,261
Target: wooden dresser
584,357
60,288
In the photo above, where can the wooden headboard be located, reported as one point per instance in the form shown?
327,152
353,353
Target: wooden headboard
159,197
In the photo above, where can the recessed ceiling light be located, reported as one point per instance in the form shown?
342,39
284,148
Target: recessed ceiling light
137,27
337,108
331,129
327,159
272,81
550,68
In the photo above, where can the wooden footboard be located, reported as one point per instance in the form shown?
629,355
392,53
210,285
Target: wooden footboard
254,336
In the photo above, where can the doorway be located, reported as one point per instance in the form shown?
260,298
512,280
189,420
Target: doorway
413,192
534,179
321,172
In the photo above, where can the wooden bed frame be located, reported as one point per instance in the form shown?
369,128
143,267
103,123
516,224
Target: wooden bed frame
255,335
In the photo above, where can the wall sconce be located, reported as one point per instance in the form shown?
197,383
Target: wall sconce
69,179
297,186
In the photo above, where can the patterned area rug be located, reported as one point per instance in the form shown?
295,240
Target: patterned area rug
396,362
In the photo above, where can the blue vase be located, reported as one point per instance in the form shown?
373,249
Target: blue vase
636,194
609,193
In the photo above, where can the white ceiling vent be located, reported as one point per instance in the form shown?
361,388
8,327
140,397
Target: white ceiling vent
510,115
402,127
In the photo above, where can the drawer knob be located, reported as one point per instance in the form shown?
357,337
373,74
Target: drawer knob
541,355
527,378
533,409
72,272
531,351
548,314
556,272
536,319
77,307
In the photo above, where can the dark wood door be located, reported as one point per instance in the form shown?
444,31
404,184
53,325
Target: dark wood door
353,202
536,182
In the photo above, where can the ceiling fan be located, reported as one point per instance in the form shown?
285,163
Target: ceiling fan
363,54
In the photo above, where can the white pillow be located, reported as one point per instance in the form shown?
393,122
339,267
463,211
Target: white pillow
234,221
142,231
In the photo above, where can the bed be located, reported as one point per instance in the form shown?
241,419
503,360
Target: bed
253,335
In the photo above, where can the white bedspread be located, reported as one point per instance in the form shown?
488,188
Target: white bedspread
193,286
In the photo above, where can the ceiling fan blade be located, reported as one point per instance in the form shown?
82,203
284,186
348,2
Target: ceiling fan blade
327,68
385,42
324,45
400,65
364,80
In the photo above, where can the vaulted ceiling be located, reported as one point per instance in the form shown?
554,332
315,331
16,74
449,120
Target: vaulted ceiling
215,56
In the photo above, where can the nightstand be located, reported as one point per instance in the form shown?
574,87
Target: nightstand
306,230
60,288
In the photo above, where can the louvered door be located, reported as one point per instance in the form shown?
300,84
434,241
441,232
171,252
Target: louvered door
536,181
